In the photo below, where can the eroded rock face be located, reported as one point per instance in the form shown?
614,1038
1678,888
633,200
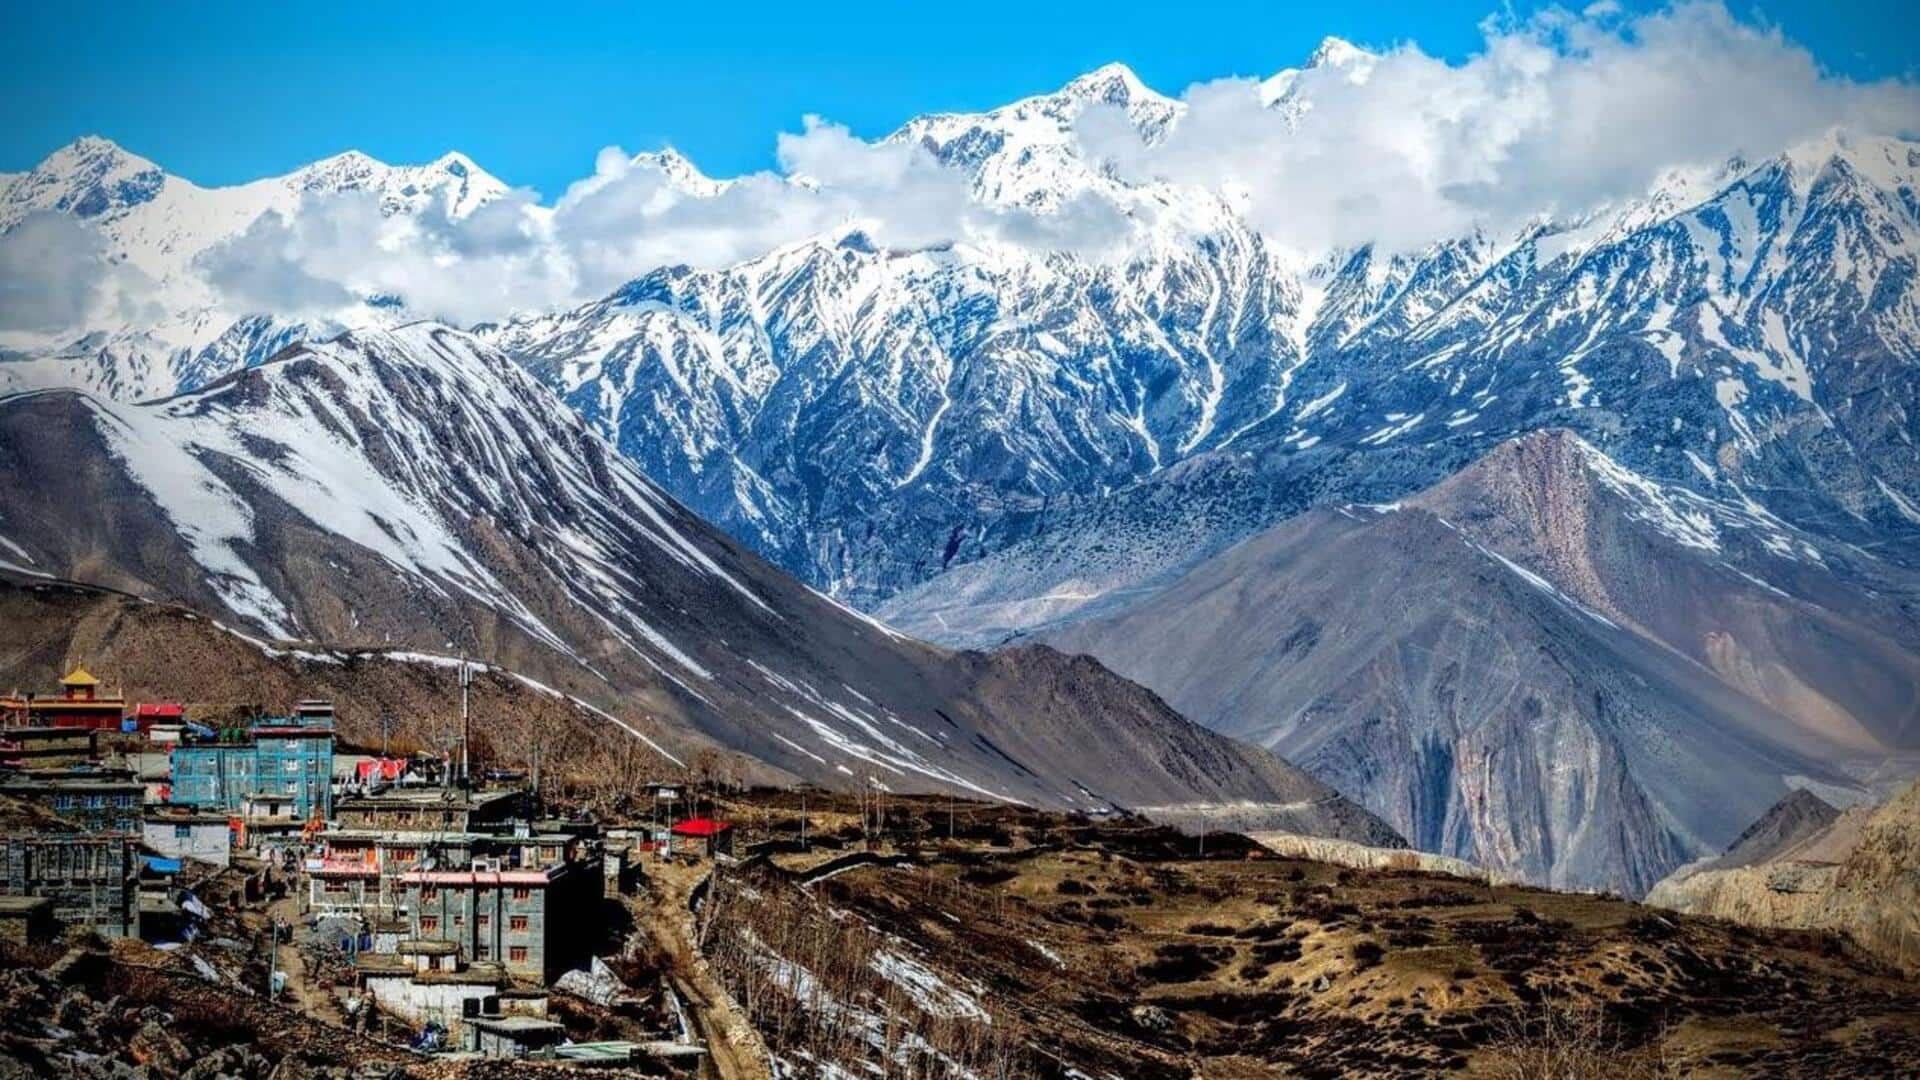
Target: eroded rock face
1547,664
1858,873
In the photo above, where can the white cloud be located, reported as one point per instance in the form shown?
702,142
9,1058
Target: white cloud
55,274
1560,114
629,216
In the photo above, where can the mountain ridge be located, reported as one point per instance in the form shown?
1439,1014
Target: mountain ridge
1545,664
414,490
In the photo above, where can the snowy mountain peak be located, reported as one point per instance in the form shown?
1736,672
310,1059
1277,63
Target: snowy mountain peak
1113,84
452,178
1336,57
1333,52
680,172
91,177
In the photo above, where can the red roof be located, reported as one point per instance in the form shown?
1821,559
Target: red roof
159,710
384,768
701,826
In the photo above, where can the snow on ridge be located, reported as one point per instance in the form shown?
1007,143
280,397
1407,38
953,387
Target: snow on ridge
1666,509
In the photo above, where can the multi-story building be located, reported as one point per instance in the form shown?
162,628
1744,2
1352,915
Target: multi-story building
534,922
359,869
96,800
447,810
286,757
74,839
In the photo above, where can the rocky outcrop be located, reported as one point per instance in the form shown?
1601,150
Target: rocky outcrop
1362,857
1859,874
1790,822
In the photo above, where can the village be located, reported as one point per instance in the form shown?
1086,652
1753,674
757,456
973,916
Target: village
413,900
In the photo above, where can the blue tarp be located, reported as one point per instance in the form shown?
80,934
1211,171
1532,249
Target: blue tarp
160,865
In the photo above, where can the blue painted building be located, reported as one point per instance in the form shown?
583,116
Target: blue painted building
283,757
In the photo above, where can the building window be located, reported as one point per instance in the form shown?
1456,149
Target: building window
482,920
523,894
183,832
517,954
429,892
429,924
516,922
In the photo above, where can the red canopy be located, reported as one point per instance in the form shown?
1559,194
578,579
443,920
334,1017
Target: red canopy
701,826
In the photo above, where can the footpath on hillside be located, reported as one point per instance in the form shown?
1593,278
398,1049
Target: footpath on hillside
663,910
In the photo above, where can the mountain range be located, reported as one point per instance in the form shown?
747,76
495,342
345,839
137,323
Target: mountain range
1304,495
414,491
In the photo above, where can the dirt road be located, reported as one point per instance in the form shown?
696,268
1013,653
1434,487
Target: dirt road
734,1050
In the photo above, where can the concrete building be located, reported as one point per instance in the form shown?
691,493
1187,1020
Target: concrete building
48,747
362,869
290,757
535,922
187,834
96,800
445,810
425,982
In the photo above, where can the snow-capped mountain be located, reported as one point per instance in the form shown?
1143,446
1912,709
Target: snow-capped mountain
994,436
157,225
415,490
872,417
1758,343
987,412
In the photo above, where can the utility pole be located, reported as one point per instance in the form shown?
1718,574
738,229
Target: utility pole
466,732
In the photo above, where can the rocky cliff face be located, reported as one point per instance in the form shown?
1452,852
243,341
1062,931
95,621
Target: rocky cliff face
1547,665
1859,874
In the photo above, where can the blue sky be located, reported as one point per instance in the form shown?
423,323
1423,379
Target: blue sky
221,93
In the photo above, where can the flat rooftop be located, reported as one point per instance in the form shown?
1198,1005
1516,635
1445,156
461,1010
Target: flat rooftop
517,1025
416,798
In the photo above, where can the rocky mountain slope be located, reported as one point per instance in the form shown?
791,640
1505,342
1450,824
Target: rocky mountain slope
1786,824
1859,873
415,490
152,651
1547,665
